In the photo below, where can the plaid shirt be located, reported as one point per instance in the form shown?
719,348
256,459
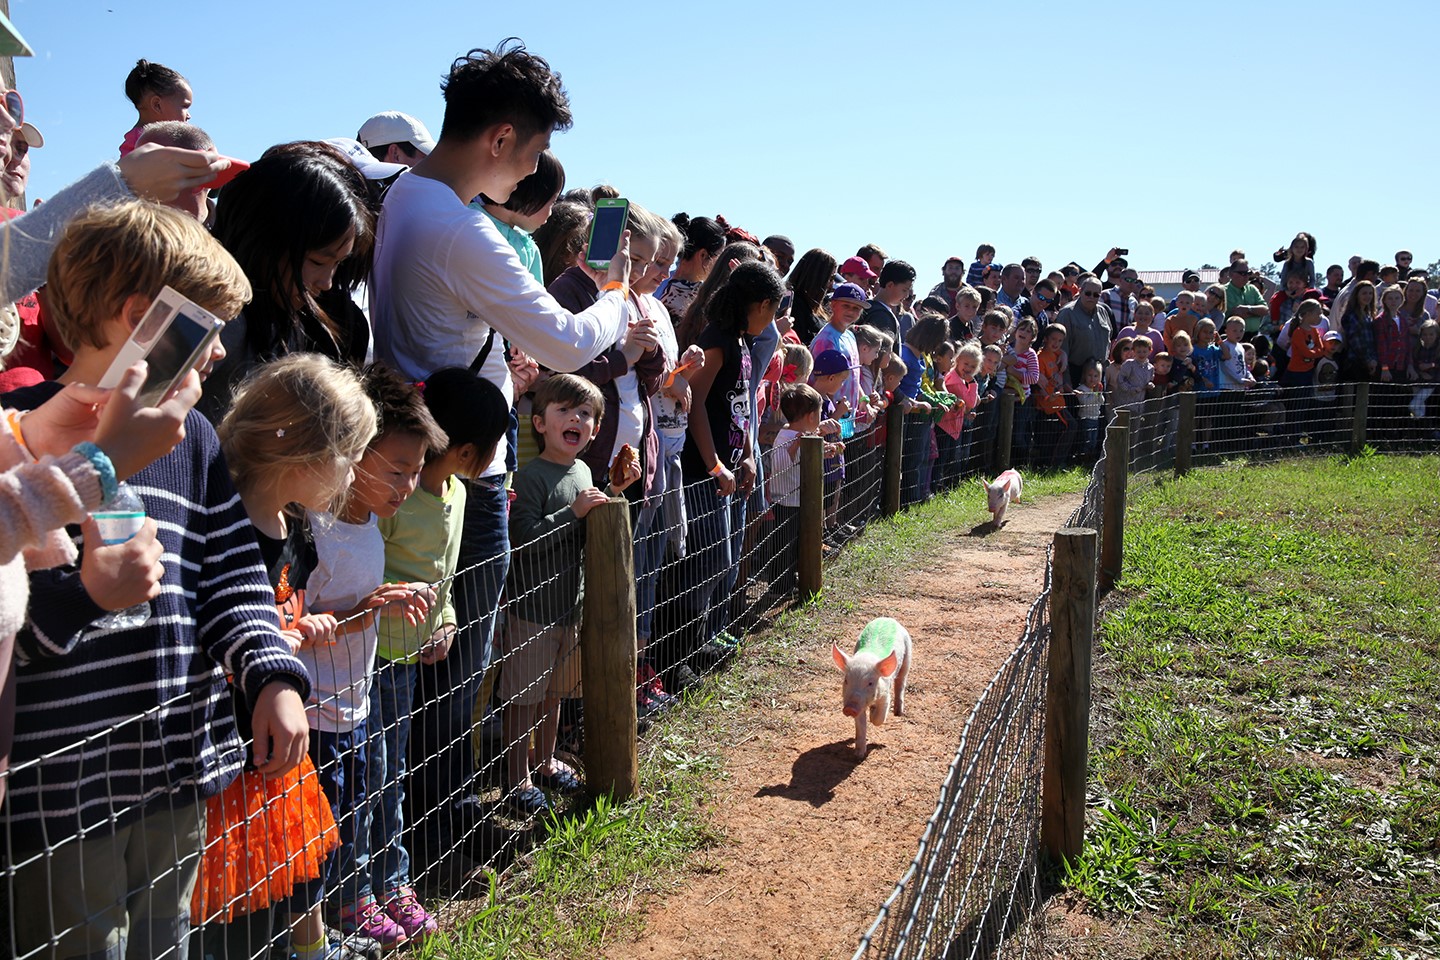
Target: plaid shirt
1392,345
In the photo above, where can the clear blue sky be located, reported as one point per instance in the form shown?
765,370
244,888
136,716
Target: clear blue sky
1178,130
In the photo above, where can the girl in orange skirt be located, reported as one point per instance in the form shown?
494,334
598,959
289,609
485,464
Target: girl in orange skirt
291,437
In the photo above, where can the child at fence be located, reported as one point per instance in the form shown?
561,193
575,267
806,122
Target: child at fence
801,405
1089,398
540,647
422,545
847,302
1183,318
1206,355
870,345
830,375
1307,346
1022,372
349,579
1425,366
290,438
1120,351
958,421
1182,364
967,308
153,696
1054,423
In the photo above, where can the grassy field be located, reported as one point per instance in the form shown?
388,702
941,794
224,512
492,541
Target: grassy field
1265,761
575,891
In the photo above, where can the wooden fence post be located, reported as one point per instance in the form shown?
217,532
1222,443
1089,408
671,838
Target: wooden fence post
894,451
1185,433
607,645
1067,695
1005,431
1117,475
1362,411
812,517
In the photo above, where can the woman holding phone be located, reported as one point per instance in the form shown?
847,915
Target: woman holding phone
299,226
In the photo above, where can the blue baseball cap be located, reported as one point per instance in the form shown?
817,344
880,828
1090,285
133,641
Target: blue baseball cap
849,291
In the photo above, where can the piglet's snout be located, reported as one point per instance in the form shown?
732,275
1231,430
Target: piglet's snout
851,711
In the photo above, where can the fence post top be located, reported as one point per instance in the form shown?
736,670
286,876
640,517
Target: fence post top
1084,532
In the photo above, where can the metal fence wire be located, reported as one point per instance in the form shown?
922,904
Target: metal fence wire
429,730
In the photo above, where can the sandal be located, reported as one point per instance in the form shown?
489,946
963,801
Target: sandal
563,780
526,802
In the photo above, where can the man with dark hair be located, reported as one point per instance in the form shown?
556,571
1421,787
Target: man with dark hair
395,137
1033,269
872,255
952,275
448,290
1244,300
1012,290
1120,298
784,251
897,281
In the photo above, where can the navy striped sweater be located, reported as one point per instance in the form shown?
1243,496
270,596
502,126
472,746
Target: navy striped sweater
113,725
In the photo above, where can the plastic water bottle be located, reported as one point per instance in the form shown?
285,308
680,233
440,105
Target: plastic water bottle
120,519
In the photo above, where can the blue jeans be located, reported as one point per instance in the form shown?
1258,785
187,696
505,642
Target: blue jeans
915,460
391,699
441,754
339,760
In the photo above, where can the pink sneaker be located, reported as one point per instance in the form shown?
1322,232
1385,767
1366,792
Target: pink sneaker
406,911
369,919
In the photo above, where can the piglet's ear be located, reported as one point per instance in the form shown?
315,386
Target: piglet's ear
983,485
841,661
887,666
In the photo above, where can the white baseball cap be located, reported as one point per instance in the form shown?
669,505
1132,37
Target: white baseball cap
395,127
364,160
31,134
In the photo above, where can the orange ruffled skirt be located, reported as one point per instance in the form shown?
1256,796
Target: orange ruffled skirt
262,837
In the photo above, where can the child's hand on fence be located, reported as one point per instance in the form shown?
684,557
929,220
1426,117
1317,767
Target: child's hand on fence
316,630
842,409
588,500
413,599
437,648
282,734
829,427
834,449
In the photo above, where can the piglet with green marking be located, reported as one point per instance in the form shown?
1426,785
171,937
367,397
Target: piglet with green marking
874,672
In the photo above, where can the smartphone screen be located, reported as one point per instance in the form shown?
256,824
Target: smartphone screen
174,353
173,337
605,231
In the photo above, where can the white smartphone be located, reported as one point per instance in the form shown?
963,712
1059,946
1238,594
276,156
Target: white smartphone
606,228
174,337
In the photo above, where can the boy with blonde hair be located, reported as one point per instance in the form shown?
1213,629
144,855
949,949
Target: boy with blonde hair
106,815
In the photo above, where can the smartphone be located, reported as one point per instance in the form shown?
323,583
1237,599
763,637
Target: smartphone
1122,251
605,230
174,337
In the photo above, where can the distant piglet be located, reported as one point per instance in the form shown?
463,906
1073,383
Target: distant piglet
1006,487
881,661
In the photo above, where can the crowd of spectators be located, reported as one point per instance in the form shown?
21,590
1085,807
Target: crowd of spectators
361,540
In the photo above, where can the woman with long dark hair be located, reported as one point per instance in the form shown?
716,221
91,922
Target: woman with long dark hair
810,281
704,239
298,225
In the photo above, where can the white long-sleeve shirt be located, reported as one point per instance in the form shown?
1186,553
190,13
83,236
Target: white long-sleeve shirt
444,276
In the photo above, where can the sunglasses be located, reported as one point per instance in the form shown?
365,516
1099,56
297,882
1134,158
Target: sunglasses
1090,293
15,106
1044,299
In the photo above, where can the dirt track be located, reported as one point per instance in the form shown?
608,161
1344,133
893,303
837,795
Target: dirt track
814,840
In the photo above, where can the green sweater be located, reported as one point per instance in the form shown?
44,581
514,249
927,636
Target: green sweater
422,543
547,569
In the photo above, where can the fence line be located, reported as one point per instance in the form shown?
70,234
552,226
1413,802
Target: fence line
430,765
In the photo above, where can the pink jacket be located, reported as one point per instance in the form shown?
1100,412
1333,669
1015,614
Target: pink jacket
954,420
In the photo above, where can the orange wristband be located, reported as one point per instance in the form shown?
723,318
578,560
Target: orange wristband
614,285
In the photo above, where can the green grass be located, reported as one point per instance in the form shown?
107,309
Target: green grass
1265,758
576,891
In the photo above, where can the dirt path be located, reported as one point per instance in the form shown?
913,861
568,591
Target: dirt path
814,840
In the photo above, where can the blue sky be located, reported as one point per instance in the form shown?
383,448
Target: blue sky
1177,130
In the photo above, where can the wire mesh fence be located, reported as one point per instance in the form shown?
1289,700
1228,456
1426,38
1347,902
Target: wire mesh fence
444,721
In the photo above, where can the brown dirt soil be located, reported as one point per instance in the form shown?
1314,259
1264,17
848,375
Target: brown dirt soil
814,840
